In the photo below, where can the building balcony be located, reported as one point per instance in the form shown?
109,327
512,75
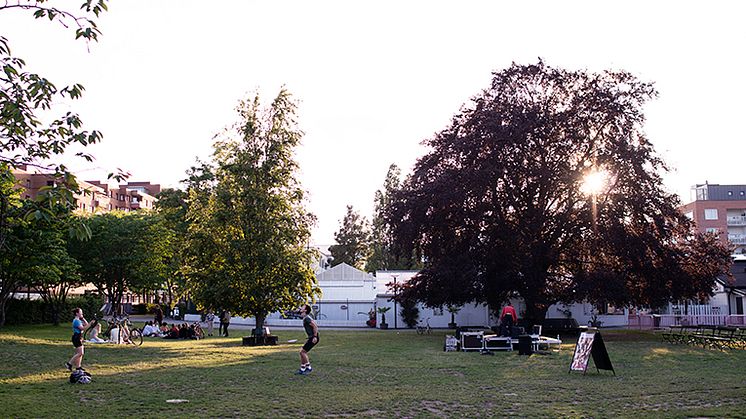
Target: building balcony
737,220
737,238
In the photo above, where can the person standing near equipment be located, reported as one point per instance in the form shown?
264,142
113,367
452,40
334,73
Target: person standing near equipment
508,318
79,324
312,330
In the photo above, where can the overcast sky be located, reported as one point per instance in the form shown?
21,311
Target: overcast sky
375,78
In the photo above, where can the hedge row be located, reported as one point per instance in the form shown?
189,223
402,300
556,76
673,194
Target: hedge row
38,311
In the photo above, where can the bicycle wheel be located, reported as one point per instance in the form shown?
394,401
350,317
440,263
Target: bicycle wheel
136,337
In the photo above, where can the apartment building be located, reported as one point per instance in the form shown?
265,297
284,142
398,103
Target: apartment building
95,196
720,209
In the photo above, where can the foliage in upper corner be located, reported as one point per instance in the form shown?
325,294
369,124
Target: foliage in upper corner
84,21
30,134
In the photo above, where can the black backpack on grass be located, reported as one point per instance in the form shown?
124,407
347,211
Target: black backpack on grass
80,377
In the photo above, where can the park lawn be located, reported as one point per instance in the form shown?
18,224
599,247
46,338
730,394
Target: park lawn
363,373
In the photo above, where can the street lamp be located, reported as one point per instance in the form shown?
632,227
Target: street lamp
395,289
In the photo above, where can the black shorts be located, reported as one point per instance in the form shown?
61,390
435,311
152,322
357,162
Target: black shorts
309,344
77,340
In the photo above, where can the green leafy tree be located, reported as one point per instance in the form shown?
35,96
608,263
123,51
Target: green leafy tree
249,230
383,256
30,134
353,240
122,254
409,312
498,206
54,272
172,207
35,256
10,220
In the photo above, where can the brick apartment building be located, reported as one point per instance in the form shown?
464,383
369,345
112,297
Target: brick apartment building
95,196
720,209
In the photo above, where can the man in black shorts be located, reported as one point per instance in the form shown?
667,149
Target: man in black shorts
313,338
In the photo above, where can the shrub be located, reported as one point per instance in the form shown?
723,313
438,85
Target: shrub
38,311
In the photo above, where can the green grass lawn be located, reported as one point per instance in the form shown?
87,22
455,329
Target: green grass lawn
363,373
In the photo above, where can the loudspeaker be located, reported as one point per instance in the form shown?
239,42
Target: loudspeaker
524,345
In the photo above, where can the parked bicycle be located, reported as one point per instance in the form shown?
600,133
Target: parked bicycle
424,329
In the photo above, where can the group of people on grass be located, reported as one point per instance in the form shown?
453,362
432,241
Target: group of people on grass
154,328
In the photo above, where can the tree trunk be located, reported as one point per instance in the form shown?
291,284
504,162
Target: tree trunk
2,311
535,312
55,315
259,331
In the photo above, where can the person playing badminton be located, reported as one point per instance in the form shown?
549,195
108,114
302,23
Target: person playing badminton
312,330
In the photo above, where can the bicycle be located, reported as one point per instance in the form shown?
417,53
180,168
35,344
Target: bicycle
122,324
424,329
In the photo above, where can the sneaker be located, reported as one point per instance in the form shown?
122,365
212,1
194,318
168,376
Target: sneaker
309,369
300,372
69,366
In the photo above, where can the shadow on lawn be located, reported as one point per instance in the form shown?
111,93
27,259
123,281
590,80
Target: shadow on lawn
106,360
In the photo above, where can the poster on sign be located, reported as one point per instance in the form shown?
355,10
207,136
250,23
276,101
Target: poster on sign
590,344
582,352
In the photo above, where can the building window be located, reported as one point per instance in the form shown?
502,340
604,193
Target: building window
712,230
711,214
689,215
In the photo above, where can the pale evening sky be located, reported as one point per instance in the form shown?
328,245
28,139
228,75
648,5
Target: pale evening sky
375,78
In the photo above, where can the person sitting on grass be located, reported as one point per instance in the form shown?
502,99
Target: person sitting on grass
126,334
150,330
173,332
94,336
183,331
193,331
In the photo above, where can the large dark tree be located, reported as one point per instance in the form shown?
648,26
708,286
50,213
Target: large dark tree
501,205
